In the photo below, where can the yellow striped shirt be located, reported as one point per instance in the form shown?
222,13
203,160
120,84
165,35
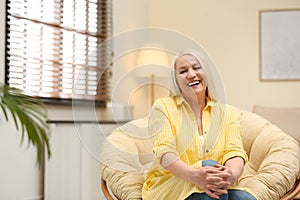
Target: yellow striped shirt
174,126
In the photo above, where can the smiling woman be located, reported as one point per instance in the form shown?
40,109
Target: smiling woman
191,128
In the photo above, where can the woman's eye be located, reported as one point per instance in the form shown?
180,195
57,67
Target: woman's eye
197,67
182,71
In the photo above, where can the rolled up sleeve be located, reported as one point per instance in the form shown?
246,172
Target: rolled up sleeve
234,143
162,131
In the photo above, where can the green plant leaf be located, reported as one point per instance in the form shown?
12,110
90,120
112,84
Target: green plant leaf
12,108
4,111
29,114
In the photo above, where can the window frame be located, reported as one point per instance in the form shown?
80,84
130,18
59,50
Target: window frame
72,100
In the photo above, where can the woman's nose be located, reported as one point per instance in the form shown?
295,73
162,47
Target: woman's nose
191,73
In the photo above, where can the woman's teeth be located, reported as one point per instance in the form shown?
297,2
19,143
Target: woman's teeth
193,83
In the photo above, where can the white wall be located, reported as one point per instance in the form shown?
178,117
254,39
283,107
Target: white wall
128,16
20,177
229,31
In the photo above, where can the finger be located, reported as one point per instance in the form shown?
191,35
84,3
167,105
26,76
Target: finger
224,175
221,174
219,193
213,179
213,170
223,185
219,166
217,189
211,194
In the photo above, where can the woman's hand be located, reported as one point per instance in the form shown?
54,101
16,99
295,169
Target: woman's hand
210,180
220,178
228,174
233,176
214,181
200,177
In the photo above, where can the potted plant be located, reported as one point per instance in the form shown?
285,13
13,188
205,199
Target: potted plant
29,115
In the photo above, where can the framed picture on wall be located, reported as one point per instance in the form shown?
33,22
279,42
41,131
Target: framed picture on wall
279,44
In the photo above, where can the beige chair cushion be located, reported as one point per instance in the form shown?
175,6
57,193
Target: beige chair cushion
273,158
271,171
125,157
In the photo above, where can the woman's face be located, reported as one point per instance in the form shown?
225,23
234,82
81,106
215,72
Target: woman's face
190,76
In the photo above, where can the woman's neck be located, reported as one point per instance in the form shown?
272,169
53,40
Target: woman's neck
197,103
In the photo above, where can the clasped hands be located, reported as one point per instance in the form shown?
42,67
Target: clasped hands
214,181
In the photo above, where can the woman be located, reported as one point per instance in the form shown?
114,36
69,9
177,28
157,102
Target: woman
198,141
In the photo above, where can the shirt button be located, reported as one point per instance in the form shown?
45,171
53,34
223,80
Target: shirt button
207,151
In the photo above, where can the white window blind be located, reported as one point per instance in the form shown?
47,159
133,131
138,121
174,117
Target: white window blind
58,49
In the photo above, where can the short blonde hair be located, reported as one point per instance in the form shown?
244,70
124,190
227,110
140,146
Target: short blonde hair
214,83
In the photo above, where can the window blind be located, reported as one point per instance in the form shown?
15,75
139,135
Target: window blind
60,50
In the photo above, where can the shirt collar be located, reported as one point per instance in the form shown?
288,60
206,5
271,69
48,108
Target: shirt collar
179,100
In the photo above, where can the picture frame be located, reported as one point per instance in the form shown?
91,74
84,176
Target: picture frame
279,45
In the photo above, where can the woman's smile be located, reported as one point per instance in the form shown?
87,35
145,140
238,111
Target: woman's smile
194,83
190,75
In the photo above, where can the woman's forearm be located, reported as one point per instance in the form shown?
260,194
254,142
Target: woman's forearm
236,166
177,167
